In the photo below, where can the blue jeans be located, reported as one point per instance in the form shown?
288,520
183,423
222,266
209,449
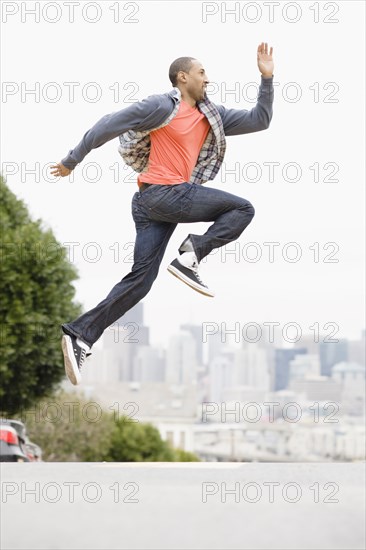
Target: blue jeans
156,212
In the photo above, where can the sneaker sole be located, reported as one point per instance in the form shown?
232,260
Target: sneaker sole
188,282
71,367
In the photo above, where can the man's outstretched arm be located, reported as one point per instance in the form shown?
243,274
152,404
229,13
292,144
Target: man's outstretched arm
242,121
136,116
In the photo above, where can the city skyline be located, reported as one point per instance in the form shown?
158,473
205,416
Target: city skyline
259,401
269,365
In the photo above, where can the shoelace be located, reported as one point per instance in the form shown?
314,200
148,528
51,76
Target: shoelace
82,358
195,271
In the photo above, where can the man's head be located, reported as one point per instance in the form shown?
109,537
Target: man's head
188,74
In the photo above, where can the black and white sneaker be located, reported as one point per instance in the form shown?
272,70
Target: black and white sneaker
75,352
185,268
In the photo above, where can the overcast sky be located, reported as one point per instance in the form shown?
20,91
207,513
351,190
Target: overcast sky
315,147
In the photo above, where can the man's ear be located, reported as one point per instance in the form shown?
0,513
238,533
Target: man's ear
182,76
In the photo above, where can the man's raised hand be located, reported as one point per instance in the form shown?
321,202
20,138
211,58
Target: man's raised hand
265,60
60,170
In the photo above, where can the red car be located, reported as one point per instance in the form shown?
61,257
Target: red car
14,443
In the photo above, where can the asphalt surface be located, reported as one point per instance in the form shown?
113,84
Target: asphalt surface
182,506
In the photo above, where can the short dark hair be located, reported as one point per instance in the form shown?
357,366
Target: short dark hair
179,64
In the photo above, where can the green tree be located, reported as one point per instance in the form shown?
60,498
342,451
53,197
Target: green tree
36,297
138,442
185,456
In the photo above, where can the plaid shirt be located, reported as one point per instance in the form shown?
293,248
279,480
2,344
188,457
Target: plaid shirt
135,145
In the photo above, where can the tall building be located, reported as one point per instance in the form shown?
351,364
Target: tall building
221,375
181,360
132,322
308,342
215,343
148,365
269,338
282,366
330,354
351,377
251,367
196,332
357,349
122,340
303,366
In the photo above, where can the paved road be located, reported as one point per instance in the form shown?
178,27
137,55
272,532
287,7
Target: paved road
182,506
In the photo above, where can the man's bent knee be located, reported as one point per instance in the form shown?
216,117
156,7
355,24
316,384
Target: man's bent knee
248,209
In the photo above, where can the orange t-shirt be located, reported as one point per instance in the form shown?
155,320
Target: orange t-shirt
175,147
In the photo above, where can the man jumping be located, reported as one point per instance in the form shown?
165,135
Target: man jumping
176,141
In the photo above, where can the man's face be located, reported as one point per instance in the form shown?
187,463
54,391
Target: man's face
196,81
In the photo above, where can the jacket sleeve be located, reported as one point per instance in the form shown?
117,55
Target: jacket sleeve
137,116
242,121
